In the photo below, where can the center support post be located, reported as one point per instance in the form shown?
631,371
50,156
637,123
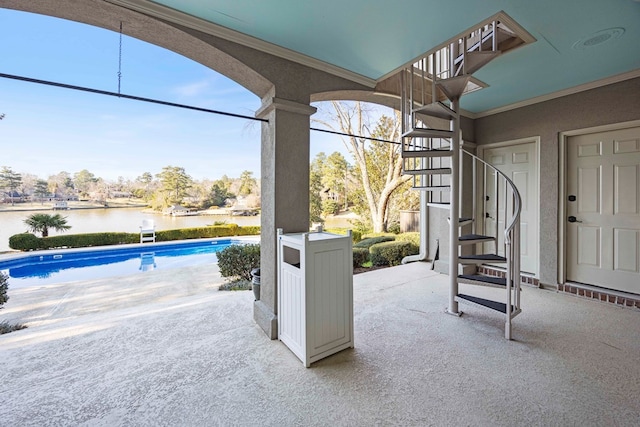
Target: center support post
284,193
454,212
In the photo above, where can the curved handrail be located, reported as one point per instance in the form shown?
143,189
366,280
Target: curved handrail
518,203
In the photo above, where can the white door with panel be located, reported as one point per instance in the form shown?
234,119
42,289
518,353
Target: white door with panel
520,163
603,209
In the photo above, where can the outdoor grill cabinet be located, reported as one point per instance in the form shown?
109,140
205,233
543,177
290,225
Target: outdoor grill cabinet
315,293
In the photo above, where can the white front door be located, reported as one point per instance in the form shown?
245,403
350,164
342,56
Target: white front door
520,163
603,209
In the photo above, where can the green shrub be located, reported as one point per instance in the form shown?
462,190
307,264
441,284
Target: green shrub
356,236
387,234
368,242
89,239
330,207
236,261
391,253
6,327
4,286
236,285
249,230
413,237
226,230
394,227
24,242
360,256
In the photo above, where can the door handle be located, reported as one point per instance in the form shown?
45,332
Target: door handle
573,219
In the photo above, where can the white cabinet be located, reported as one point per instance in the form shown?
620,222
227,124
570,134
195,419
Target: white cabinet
315,294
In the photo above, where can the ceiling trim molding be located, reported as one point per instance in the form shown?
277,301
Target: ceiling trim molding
570,91
168,14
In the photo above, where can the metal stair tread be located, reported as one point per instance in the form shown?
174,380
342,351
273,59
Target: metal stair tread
454,87
493,305
498,281
427,171
475,237
477,59
462,221
440,205
483,258
436,109
434,152
433,188
427,133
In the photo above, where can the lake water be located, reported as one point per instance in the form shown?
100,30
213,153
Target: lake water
125,220
100,220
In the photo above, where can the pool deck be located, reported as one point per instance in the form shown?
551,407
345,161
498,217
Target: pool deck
56,303
169,349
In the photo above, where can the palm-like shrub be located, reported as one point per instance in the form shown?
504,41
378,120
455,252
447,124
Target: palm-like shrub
41,223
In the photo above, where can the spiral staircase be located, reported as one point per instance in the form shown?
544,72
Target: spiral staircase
432,154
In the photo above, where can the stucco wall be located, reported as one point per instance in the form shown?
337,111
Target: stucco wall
616,103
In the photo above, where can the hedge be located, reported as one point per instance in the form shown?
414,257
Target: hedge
387,234
360,256
356,235
391,253
368,242
29,242
88,239
413,237
24,242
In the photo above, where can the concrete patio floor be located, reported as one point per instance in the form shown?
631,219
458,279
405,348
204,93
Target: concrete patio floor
168,349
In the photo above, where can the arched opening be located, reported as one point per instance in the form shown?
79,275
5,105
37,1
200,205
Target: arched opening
49,130
285,88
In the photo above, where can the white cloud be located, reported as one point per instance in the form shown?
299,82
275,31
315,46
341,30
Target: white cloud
192,89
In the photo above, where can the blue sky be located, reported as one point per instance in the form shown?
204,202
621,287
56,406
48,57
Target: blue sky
47,130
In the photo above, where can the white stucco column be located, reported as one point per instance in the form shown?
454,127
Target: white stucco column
285,193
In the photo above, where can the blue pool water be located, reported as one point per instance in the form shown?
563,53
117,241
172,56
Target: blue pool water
65,266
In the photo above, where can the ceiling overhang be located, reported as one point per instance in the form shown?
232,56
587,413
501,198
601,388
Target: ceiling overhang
171,15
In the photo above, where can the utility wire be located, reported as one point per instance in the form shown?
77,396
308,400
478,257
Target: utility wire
132,97
171,104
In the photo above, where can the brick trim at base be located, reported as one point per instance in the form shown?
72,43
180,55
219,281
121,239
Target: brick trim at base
601,295
598,294
496,272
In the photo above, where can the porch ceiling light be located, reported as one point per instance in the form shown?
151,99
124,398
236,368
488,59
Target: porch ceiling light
598,38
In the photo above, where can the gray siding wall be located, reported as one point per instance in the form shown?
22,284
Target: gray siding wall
616,103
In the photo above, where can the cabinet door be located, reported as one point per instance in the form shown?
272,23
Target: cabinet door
329,299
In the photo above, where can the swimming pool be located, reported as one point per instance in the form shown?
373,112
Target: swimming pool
48,267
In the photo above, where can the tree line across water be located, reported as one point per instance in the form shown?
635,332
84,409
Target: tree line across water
371,183
173,185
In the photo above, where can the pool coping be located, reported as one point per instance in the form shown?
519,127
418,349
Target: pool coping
18,255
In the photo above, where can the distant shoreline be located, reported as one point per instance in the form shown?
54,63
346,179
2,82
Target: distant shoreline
29,207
